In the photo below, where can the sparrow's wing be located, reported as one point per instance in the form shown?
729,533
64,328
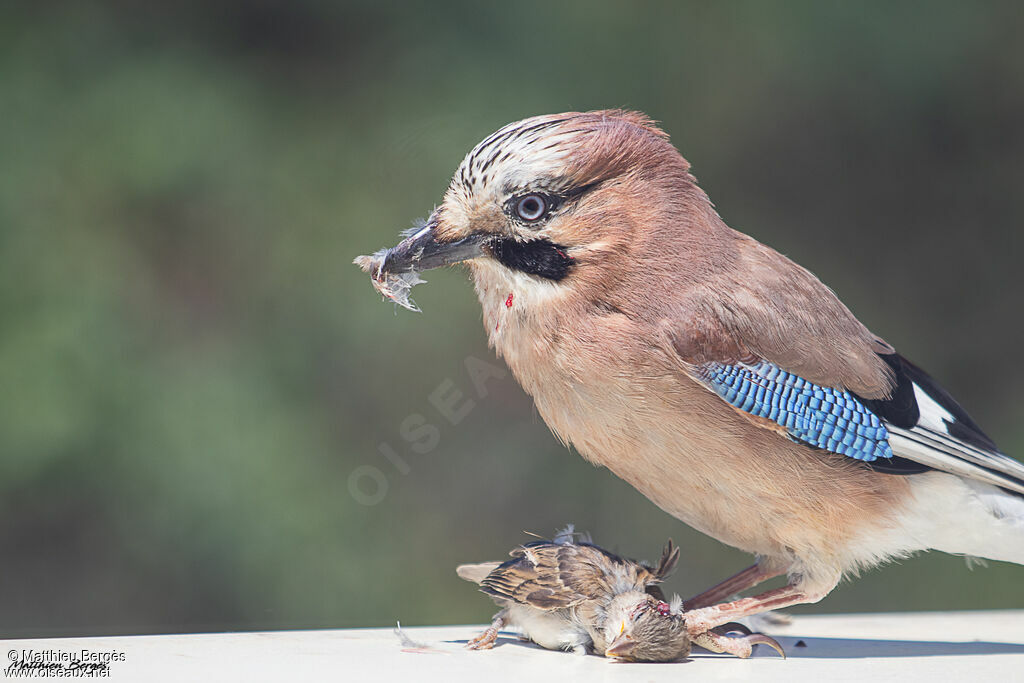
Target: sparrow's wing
792,359
550,576
667,564
649,576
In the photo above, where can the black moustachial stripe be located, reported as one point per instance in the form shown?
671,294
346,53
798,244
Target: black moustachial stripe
540,257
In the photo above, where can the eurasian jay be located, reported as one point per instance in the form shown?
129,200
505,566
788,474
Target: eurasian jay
722,380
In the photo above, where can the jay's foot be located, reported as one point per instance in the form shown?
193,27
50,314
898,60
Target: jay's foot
741,646
703,619
748,578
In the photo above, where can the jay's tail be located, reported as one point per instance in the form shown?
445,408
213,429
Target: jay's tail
1007,530
980,510
967,517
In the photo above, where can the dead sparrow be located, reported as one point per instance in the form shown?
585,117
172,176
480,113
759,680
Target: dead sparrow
565,594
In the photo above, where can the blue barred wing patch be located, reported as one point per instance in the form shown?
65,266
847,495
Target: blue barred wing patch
819,416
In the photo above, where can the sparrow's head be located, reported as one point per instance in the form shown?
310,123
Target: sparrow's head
648,630
551,200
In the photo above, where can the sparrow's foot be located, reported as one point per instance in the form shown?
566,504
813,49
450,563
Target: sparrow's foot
485,641
740,646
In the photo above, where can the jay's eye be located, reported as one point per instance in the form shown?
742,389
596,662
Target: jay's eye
531,207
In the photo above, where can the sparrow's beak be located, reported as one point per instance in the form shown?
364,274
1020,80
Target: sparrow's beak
621,648
423,251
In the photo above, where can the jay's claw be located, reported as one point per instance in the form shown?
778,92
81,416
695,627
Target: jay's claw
732,627
740,646
762,639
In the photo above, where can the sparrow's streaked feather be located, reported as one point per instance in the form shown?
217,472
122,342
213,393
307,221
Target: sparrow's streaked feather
577,596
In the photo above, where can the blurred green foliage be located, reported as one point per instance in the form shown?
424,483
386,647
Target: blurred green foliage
192,369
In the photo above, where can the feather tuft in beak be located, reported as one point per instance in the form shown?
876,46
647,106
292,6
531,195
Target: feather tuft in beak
395,271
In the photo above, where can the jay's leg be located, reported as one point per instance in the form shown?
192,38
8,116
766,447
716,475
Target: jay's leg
748,578
703,619
485,641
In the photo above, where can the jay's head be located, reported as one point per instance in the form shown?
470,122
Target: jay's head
551,199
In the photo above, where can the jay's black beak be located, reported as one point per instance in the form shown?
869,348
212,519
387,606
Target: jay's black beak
423,251
395,271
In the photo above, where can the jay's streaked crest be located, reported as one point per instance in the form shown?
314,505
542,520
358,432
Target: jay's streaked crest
722,380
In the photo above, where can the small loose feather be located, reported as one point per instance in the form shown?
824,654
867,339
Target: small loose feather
394,286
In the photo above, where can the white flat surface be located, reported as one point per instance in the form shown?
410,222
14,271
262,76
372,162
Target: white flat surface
937,646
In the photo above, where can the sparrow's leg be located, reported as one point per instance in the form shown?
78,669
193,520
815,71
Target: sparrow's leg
704,619
748,578
485,641
740,646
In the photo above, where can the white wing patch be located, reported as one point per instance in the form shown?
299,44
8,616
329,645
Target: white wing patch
930,443
933,416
